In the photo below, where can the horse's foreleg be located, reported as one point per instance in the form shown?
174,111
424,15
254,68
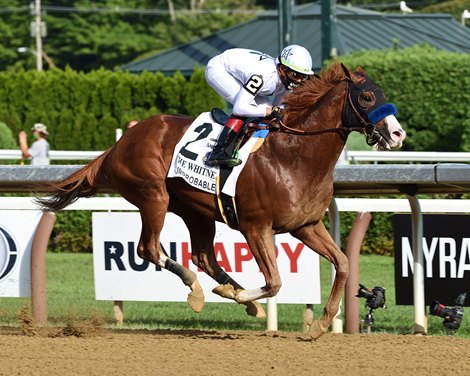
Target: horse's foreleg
317,238
229,288
262,246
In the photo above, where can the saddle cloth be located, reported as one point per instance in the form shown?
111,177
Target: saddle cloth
196,143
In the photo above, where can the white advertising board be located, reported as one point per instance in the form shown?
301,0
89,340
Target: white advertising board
17,229
122,275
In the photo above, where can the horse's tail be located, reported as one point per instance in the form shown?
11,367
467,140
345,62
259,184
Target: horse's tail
82,183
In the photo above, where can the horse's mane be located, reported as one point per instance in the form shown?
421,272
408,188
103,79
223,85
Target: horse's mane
302,98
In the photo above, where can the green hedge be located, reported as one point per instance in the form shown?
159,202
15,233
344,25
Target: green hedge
7,140
82,110
72,232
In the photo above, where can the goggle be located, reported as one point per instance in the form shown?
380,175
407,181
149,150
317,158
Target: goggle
293,75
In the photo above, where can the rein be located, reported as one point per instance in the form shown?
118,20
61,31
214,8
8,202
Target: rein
373,137
285,129
280,126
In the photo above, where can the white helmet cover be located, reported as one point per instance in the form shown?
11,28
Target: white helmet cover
296,58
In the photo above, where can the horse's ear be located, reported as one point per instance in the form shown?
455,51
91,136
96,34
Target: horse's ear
346,71
361,71
360,75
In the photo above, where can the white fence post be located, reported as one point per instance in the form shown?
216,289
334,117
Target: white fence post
421,325
271,324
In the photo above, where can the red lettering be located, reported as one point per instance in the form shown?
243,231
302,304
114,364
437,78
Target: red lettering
293,255
221,257
241,256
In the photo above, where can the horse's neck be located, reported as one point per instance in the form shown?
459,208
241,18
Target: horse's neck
322,149
327,113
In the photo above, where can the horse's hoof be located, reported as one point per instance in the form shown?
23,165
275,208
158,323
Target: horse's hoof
316,330
225,291
255,309
195,302
196,297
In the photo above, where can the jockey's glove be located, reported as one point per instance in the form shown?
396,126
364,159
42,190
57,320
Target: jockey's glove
277,113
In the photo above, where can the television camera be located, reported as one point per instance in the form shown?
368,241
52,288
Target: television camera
452,316
375,298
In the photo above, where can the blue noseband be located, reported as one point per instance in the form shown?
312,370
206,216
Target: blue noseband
382,112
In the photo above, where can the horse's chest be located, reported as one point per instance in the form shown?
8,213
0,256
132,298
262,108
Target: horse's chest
302,209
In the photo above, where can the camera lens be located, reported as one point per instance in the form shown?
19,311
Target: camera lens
364,292
438,309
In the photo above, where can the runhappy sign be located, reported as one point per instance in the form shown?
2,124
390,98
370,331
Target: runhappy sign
120,274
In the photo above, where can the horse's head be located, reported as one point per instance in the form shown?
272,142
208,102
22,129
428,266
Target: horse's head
367,108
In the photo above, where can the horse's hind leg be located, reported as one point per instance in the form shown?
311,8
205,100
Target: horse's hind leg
202,231
196,296
149,248
317,238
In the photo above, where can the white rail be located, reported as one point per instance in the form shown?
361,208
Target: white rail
352,156
406,156
344,204
61,155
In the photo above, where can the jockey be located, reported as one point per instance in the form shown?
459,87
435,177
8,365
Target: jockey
247,79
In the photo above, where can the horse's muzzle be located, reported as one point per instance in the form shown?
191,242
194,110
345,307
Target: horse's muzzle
387,134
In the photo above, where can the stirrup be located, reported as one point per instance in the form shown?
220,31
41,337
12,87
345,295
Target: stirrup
231,162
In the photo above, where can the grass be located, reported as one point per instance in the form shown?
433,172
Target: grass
70,294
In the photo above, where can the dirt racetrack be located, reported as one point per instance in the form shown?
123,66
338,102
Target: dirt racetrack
123,352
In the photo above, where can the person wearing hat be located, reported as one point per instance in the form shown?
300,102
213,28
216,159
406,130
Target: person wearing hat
255,84
39,150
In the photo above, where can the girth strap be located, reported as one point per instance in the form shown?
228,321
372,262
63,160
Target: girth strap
226,203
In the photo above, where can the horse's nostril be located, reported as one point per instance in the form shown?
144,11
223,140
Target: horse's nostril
399,134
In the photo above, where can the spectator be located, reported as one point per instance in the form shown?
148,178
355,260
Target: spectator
39,150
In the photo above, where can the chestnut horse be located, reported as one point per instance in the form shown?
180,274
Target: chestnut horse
286,185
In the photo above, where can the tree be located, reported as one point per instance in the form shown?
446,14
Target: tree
87,35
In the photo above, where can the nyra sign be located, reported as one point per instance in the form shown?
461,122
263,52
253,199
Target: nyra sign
446,251
120,274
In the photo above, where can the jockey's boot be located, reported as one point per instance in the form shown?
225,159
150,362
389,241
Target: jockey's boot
223,151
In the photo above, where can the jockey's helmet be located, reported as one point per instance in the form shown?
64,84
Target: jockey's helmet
296,64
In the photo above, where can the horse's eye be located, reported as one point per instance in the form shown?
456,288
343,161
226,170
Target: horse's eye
367,99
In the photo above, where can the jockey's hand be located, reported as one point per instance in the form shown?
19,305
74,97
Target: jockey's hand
277,113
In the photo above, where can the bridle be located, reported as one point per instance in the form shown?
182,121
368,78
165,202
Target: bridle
373,137
351,115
